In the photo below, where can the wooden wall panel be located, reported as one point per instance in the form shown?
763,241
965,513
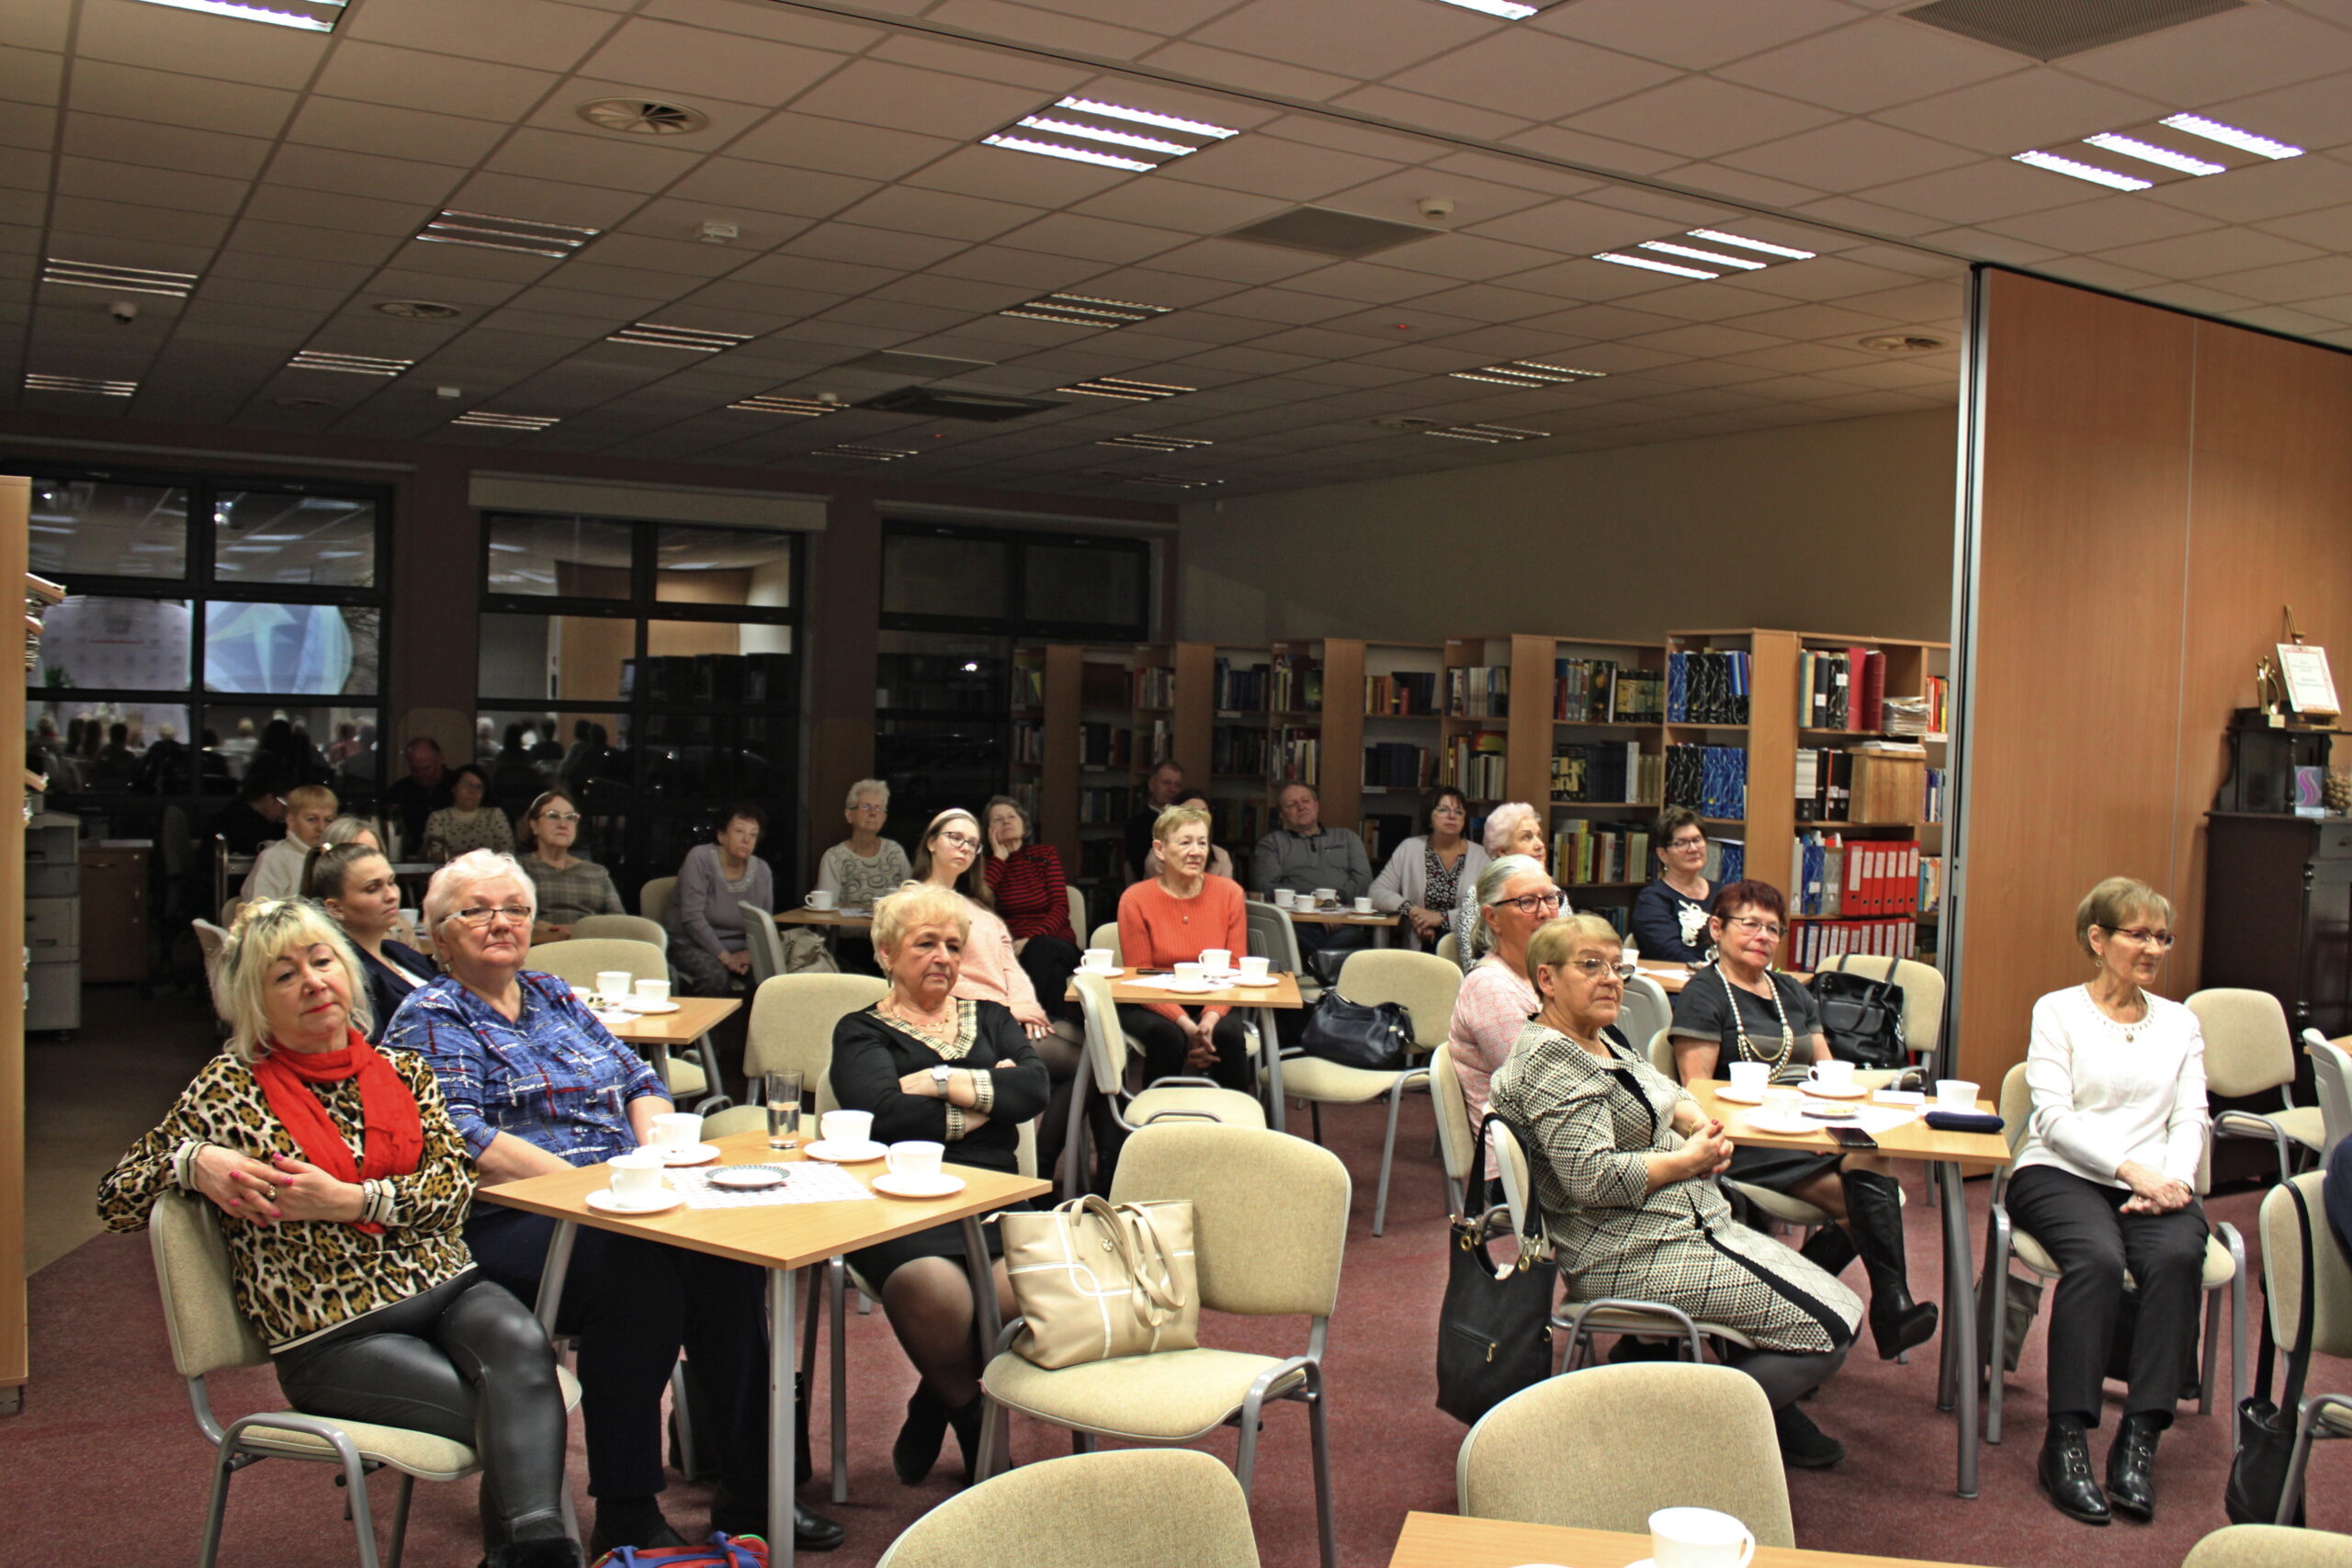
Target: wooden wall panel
16,507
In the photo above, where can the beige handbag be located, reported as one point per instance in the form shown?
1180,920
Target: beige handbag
1095,1281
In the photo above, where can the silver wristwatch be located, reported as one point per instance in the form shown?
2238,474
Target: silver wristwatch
939,1076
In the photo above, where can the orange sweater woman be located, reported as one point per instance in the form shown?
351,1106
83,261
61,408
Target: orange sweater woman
1173,919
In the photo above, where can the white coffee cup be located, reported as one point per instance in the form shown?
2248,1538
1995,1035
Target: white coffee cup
1363,907
847,1126
1188,971
653,991
1699,1538
1630,954
636,1177
1217,960
1832,1074
1782,1101
1326,895
916,1157
678,1129
1955,1094
1751,1078
1285,898
1099,958
820,899
612,985
1254,968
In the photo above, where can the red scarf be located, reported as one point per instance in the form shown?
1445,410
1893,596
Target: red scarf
393,1134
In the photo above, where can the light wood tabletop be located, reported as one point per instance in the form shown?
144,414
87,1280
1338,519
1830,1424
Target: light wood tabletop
839,919
1447,1540
1913,1140
696,1017
1344,917
1283,993
785,1235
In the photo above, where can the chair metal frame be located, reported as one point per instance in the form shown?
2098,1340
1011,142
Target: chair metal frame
2260,1126
2310,1425
1102,1070
765,946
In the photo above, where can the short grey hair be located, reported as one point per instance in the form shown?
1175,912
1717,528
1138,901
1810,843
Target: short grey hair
1490,884
867,786
267,930
1503,824
447,891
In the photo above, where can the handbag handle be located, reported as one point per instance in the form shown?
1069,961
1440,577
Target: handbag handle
1161,1300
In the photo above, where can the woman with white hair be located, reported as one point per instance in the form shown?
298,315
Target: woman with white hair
342,1185
866,868
1515,895
535,1084
1513,828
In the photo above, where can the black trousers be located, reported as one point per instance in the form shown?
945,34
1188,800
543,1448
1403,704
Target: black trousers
1165,1046
465,1361
634,1304
2081,1225
1049,961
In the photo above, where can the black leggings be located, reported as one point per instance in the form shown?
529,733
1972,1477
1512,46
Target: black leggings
1049,961
464,1360
1165,1046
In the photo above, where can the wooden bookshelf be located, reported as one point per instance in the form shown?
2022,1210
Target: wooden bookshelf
1385,812
15,510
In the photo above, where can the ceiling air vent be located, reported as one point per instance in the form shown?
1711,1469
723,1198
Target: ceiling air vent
915,367
1329,233
924,402
642,116
2040,29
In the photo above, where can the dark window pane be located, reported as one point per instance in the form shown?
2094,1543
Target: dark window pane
317,649
1090,585
726,662
736,566
74,742
926,574
574,558
944,672
580,659
337,745
270,537
101,644
82,528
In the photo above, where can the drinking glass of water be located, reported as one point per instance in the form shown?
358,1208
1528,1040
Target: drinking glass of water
783,1110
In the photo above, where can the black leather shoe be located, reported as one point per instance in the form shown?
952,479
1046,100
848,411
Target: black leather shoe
1805,1446
609,1534
966,1423
2130,1466
2066,1474
811,1531
917,1448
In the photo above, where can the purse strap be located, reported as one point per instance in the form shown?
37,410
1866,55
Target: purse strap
1123,1223
1531,1231
2299,1360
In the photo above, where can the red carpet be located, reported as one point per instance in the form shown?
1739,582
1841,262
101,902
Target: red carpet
106,1452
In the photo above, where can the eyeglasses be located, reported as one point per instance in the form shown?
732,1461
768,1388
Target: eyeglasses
1532,903
1698,842
480,917
2147,937
961,841
1750,923
869,806
558,817
1594,968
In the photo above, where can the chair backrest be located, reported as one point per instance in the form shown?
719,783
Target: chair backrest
229,907
582,959
207,1331
764,945
2331,1074
653,899
1077,905
1646,1011
2248,1047
2269,1546
1125,1508
2017,1112
1661,1049
209,938
1107,935
1923,996
793,1018
1106,1043
1425,983
2282,1271
628,928
1556,1453
1271,936
1270,1211
1457,1141
1510,1169
1449,947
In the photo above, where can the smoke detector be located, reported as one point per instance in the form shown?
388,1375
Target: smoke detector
418,310
642,116
1901,342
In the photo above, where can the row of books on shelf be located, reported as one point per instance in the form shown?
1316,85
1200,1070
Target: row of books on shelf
1240,824
1028,685
1609,771
1478,766
1240,688
1155,743
1927,714
1105,745
1931,809
1297,685
1709,780
1594,690
1813,943
1236,750
1155,686
1585,853
1398,764
1841,690
1104,806
1401,694
1708,686
1029,742
1297,756
1836,877
1478,691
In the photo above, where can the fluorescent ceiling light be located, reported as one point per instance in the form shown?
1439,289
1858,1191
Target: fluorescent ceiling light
2149,152
1526,373
1086,310
1125,388
772,402
1055,149
117,279
341,555
1721,238
695,340
484,418
1653,266
485,232
510,549
1156,443
1490,434
2230,136
1146,117
274,538
1090,120
865,453
1510,10
353,363
35,381
2091,171
1096,133
309,16
1712,258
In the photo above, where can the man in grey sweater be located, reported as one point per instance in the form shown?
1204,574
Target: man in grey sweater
1303,855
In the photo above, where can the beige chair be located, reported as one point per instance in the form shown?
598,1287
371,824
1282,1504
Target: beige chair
2331,1074
627,928
580,960
2224,1271
1107,935
791,1030
1558,1453
1076,907
1273,938
1923,998
2323,1414
1270,1225
1449,947
1105,1073
1457,1140
653,900
2249,1050
2269,1546
229,907
1425,984
209,1334
762,941
1129,1508
1647,1013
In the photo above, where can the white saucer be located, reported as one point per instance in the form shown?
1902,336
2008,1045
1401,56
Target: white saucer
1823,1091
1787,1126
1739,1096
846,1153
1183,987
1826,1111
603,1200
939,1186
693,1154
1260,980
745,1177
1101,974
646,1005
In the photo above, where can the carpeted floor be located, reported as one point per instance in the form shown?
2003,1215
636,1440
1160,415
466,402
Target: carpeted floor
106,1451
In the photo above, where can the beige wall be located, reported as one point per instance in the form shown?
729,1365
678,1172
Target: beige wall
1839,527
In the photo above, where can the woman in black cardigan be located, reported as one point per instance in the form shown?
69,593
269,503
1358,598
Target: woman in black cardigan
934,1067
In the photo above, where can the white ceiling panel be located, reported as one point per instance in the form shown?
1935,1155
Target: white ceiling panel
770,187
81,226
104,181
1028,24
1851,155
669,59
1020,177
2036,107
355,126
2252,48
2214,251
165,40
164,147
1437,114
1594,152
2103,223
1700,116
27,125
938,213
616,163
514,32
2316,279
870,92
2265,191
1981,192
1873,63
1696,35
1533,74
1378,39
438,84
171,97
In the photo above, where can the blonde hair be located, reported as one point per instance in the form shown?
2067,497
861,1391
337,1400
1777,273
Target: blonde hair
347,831
468,871
265,930
1553,941
1503,824
918,903
2112,905
302,798
1164,827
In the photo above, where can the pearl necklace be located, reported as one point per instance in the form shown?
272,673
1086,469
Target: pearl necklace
1748,1052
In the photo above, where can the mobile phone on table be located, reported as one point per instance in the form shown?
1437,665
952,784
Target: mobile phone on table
1147,974
1850,1138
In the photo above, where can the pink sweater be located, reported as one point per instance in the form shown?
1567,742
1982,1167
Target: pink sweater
992,973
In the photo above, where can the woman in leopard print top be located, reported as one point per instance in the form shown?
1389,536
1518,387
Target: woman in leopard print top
341,1186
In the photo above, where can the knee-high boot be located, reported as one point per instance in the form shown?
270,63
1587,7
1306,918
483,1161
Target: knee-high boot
1875,1214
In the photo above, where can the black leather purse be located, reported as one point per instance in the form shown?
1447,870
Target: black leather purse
1494,1331
2266,1431
1373,1035
1861,1019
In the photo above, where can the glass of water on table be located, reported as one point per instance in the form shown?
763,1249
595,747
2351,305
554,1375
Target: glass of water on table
783,1110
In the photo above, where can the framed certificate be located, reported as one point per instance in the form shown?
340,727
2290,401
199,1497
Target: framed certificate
2311,690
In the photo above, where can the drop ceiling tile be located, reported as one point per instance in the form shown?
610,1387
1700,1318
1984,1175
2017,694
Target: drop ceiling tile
1368,284
1868,215
357,214
1249,74
2197,297
691,64
1533,74
176,98
1590,281
2330,227
1397,198
838,147
2316,279
1576,227
1238,261
440,83
1826,278
1346,136
1177,290
259,269
1695,34
1911,302
882,248
22,168
1490,302
2282,318
102,181
1379,38
2101,224
2037,107
2099,274
938,213
302,240
1741,185
543,201
1467,257
1717,301
1710,340
1028,24
999,264
2252,48
1798,387
27,125
350,125
1802,321
898,315
1847,156
808,29
2309,114
388,179
164,147
1490,345
1901,372
1593,155
770,187
2265,191
807,272
686,260
666,218
872,92
1873,63
1981,192
513,32
613,163
1442,115
1268,166
1699,117
2214,251
459,265
37,24
133,34
76,221
1003,176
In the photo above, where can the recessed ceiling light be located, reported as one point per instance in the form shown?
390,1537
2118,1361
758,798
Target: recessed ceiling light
1527,373
418,310
1651,263
485,419
1161,482
117,279
1785,253
309,16
1103,133
642,116
2091,171
864,453
1076,154
1510,10
1086,310
340,555
301,402
1156,443
1198,127
1712,258
695,340
35,381
1491,435
2230,136
1125,388
1900,343
1073,128
484,231
770,402
2149,152
353,363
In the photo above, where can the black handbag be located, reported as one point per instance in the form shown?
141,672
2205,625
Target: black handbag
2266,1431
1373,1035
1863,1018
1494,1330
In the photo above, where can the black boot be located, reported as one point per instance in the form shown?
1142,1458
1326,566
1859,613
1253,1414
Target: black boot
966,1423
811,1531
2065,1471
917,1448
548,1552
1829,1250
1805,1446
2130,1465
1875,1214
630,1521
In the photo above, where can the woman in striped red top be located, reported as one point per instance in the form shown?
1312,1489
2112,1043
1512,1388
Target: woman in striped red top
1032,898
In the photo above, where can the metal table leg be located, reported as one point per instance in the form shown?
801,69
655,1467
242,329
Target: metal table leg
986,1325
781,1422
1960,1322
1269,1046
552,1272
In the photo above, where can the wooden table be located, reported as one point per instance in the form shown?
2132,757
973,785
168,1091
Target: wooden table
1447,1540
658,1033
1379,924
1672,978
1265,999
831,920
783,1240
1951,1155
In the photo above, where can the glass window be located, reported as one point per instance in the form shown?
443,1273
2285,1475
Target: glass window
313,650
103,528
723,566
580,659
341,743
937,672
569,558
930,574
278,539
1083,584
100,644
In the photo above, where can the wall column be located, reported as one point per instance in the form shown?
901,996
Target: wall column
842,658
436,621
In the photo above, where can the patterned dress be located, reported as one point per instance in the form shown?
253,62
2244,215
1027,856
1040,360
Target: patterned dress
1589,1125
